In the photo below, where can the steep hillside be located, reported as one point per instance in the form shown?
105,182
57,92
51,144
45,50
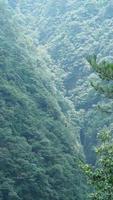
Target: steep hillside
39,138
48,106
69,31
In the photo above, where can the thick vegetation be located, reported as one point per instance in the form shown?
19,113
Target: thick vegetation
48,106
101,176
39,145
68,30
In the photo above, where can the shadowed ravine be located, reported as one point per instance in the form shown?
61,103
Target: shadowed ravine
50,108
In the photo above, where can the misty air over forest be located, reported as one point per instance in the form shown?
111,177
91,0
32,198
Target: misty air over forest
56,99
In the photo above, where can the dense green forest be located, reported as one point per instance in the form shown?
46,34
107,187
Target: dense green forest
52,103
100,176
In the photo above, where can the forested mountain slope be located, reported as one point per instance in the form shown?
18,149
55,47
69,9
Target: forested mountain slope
39,138
69,31
47,102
